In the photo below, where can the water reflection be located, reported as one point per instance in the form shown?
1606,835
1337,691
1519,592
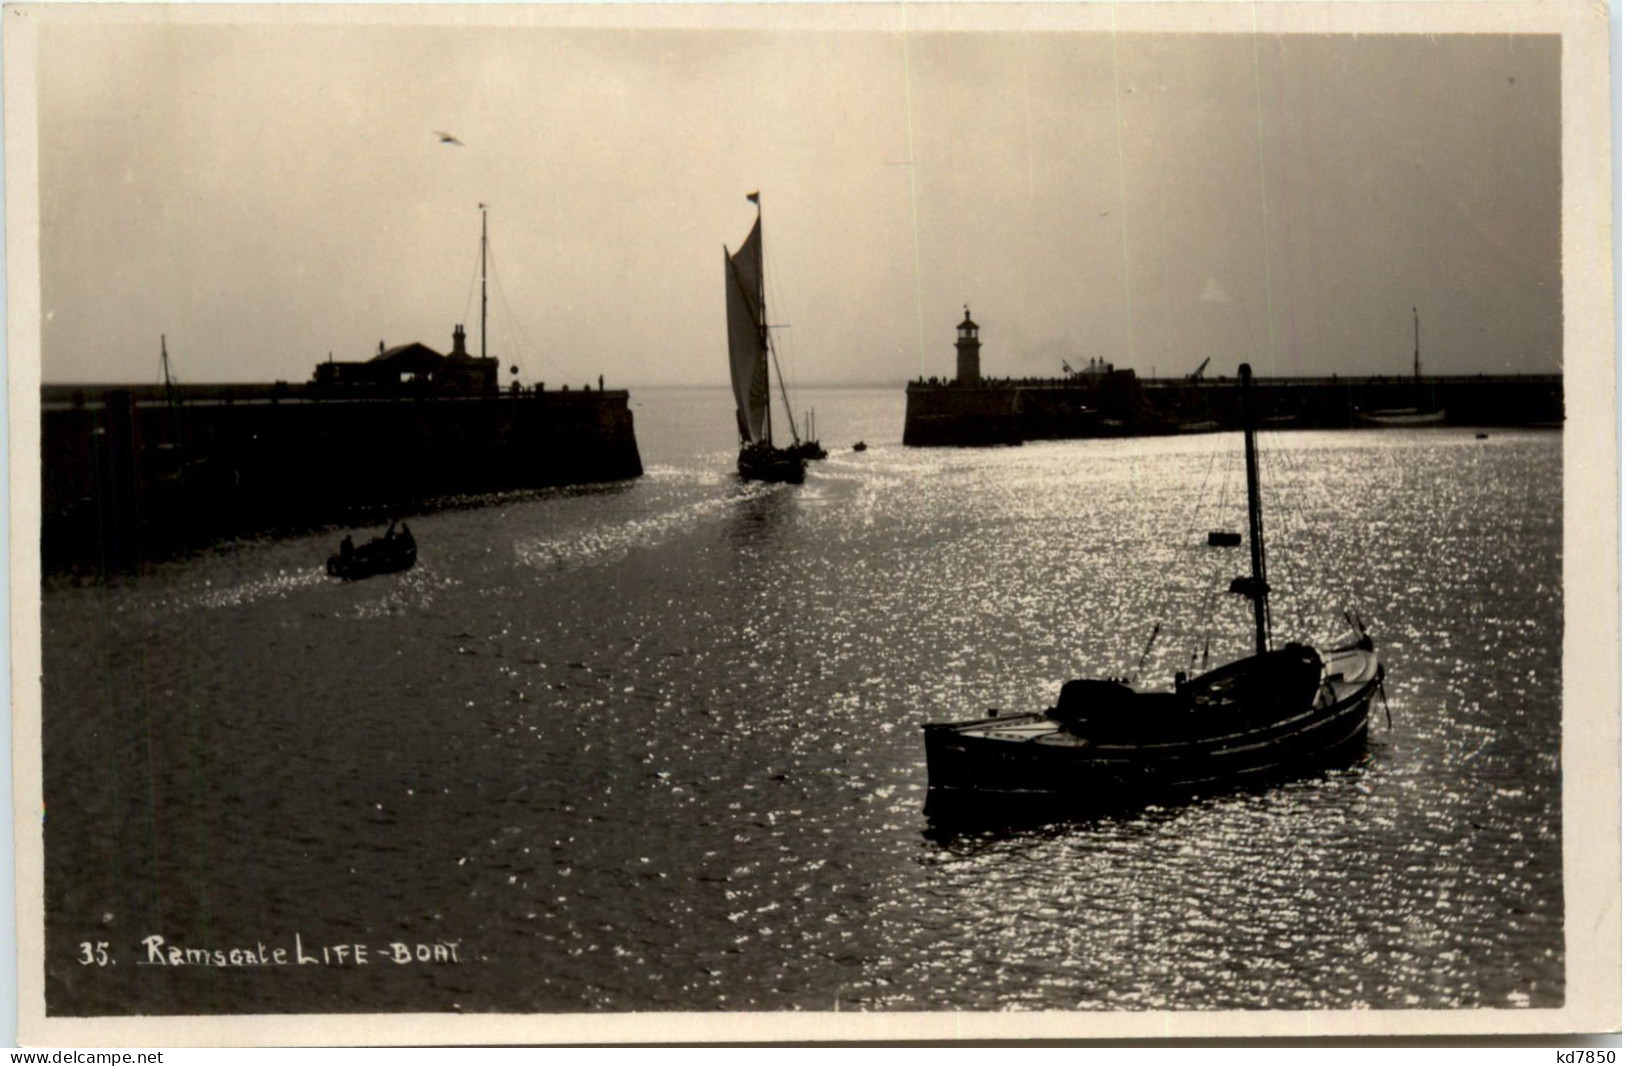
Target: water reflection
759,513
969,827
515,496
950,815
658,747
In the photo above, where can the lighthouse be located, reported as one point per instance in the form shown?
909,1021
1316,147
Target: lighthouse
970,352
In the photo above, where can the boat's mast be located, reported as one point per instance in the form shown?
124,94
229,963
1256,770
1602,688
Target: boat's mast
1255,517
761,317
1416,358
767,337
169,386
482,281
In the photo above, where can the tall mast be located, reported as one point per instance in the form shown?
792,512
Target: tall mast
767,342
1416,358
169,386
482,281
1255,518
761,316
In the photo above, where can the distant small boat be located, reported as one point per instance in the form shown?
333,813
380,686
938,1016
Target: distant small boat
808,450
1481,436
1408,416
1404,416
808,447
860,447
388,554
1221,539
750,347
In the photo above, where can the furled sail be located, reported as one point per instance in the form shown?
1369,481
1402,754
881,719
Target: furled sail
747,350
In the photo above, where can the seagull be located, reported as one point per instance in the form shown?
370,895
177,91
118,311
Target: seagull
446,138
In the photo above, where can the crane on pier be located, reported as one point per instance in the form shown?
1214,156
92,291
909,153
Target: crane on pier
1196,375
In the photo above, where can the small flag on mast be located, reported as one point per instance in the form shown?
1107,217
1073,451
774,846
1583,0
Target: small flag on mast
755,198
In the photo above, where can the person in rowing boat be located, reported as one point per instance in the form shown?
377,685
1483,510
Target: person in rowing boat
346,548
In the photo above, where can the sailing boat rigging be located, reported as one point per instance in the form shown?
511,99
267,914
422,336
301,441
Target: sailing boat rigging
1408,416
172,436
750,347
1277,713
808,447
169,383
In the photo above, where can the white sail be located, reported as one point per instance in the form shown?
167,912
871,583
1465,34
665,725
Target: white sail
747,350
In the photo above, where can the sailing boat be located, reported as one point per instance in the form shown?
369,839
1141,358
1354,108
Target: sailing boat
1408,416
1275,714
809,448
749,348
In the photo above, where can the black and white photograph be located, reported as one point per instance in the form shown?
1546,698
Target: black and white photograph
812,522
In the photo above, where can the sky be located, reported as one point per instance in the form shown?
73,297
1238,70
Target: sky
264,195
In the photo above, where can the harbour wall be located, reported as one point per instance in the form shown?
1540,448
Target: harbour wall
1118,404
132,475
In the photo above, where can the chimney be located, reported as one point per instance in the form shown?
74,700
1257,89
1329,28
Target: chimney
458,351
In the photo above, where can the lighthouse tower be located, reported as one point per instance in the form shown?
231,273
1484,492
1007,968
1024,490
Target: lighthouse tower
970,352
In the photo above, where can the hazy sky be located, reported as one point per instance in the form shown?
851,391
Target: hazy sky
266,194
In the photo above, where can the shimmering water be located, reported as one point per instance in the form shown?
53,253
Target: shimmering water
655,746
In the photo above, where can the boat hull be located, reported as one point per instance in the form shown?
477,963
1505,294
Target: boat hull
772,464
1402,418
964,762
810,450
369,561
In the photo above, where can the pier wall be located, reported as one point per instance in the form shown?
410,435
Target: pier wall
972,416
1120,405
128,479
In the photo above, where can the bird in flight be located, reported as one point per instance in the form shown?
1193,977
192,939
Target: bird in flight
446,138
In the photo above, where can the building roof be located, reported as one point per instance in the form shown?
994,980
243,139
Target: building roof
409,357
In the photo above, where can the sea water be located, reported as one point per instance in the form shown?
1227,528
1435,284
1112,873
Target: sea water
655,745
